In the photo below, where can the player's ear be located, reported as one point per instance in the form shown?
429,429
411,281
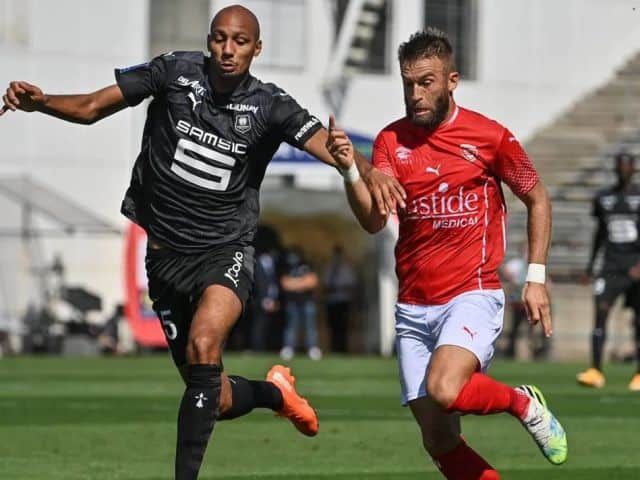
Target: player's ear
453,80
258,48
209,43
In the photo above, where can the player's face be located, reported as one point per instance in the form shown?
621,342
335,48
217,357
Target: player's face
624,170
427,85
233,44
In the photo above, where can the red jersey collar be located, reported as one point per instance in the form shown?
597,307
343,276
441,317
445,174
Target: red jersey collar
451,119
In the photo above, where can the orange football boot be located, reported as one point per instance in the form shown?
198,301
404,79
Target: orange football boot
634,384
294,407
591,377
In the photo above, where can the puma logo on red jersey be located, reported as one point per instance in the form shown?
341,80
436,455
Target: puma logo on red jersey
435,170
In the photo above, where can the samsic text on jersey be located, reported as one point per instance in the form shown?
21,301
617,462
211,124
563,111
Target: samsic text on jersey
452,232
195,182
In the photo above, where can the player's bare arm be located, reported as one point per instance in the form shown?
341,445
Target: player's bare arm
360,198
300,284
599,236
535,295
634,271
81,108
386,190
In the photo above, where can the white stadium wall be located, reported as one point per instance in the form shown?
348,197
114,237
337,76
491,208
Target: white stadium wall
72,46
535,57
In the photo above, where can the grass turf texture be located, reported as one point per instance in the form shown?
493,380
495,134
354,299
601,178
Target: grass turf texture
72,419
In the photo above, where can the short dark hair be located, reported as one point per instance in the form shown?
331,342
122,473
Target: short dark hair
430,42
624,157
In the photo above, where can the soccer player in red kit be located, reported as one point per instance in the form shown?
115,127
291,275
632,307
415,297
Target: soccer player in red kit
451,162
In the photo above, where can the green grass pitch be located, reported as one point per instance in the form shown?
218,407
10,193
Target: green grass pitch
109,419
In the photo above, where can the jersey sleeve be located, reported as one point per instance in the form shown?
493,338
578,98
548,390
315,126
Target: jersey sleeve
293,123
513,166
381,158
141,81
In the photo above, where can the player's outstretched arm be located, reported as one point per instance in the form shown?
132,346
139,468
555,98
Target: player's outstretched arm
534,294
83,108
360,198
599,237
386,190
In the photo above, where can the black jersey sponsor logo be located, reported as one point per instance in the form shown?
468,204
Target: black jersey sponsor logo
215,177
212,139
242,108
633,201
242,123
622,228
200,400
305,128
194,101
233,272
193,84
608,202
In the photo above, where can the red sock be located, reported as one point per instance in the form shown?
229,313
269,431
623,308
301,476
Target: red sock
463,463
482,395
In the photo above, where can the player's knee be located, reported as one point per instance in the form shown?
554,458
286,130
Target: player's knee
442,390
204,349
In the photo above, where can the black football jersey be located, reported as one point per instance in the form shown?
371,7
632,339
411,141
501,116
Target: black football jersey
618,215
204,154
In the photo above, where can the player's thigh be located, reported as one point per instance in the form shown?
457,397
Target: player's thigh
474,322
217,312
222,287
414,346
440,430
609,286
230,266
175,313
170,281
450,368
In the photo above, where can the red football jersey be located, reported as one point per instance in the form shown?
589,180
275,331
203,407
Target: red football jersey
452,232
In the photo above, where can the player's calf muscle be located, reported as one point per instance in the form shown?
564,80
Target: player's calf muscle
226,397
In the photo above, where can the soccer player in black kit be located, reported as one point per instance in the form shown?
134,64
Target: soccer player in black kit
210,132
617,211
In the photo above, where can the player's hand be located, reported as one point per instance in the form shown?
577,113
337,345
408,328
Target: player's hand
339,145
269,305
634,272
585,278
386,190
536,303
22,96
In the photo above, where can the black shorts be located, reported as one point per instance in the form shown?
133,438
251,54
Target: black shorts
608,286
176,283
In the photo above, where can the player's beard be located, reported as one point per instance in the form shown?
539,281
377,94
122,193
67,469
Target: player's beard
432,119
